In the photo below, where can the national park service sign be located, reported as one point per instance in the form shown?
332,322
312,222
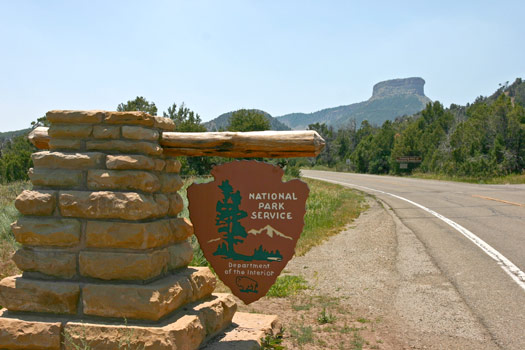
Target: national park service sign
248,222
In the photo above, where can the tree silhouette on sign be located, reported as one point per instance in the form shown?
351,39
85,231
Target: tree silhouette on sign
227,219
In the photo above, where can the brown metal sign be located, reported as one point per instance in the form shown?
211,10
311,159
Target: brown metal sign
409,159
248,222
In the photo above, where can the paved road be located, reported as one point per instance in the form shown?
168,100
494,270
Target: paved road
492,286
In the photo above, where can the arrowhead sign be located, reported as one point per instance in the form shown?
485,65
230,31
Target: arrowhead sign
248,222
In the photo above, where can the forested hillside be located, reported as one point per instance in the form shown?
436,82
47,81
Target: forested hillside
483,139
390,99
222,122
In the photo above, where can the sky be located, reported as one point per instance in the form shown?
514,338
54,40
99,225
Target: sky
280,56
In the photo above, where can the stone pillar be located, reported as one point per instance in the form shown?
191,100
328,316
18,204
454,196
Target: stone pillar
101,242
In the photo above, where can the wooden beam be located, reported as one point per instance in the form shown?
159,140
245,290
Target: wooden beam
269,144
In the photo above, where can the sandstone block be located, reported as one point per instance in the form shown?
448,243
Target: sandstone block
109,234
148,148
165,124
170,183
106,132
184,330
17,333
172,166
139,133
181,228
111,205
46,231
64,144
69,131
216,314
185,333
39,137
150,301
180,255
159,164
176,204
163,203
60,160
50,262
133,118
202,281
250,329
135,161
56,177
36,202
123,266
104,336
74,117
98,179
20,294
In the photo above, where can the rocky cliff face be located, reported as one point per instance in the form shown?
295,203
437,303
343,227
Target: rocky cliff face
408,86
390,99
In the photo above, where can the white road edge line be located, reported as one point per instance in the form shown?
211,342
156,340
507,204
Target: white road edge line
512,270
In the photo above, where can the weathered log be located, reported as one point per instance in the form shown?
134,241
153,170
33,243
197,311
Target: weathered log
271,144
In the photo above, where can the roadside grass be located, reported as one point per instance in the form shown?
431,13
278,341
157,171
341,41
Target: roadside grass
325,317
198,255
512,179
321,322
287,285
302,334
273,341
8,215
329,209
499,180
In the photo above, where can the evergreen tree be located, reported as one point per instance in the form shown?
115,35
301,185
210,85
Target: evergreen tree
248,120
228,216
15,159
185,119
138,104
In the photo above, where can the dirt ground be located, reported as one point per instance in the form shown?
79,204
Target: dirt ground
373,286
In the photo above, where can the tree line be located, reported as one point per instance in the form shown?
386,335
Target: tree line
15,153
483,139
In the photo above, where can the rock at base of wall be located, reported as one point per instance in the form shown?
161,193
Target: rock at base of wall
21,294
150,301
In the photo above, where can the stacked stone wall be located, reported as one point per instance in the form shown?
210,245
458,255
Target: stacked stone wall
99,230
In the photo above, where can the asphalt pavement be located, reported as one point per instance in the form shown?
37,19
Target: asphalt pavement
475,234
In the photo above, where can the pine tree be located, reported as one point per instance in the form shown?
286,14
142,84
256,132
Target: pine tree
228,216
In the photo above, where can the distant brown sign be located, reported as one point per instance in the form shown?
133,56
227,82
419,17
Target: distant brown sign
409,159
248,222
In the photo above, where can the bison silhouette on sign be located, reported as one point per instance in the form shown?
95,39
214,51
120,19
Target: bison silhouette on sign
246,284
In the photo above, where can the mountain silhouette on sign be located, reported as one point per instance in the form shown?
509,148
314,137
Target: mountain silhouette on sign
270,231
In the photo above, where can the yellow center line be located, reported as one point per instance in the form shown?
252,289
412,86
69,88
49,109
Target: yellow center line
393,183
499,200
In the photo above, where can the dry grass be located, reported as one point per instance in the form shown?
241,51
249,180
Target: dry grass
9,214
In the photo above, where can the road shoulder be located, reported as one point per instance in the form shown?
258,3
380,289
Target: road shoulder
378,271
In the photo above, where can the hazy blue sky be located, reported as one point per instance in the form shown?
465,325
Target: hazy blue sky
280,56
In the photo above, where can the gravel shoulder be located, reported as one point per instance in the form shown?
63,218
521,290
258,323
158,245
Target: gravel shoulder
382,287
